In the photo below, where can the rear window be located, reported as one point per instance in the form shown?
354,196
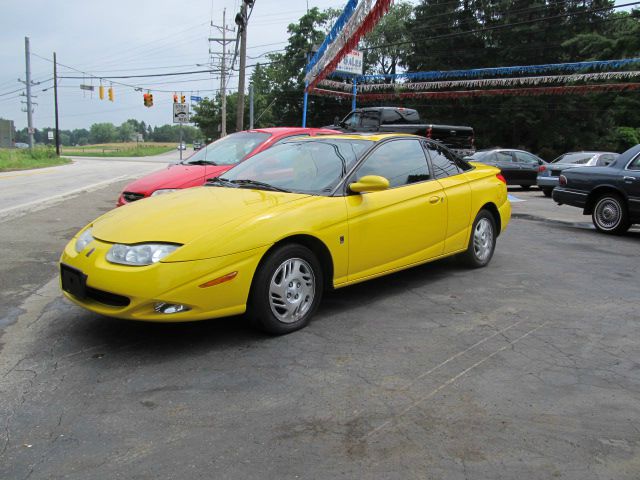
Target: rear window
574,158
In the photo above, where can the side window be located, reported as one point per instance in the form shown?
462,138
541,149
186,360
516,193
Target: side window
370,119
352,120
391,116
635,164
504,157
401,162
524,157
444,163
605,160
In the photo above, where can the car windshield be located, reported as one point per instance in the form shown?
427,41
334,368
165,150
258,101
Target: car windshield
574,158
228,150
313,166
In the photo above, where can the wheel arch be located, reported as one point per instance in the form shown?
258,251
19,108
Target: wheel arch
317,246
493,209
597,193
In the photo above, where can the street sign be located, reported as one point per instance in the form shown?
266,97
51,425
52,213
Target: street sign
50,135
180,113
196,99
352,63
86,87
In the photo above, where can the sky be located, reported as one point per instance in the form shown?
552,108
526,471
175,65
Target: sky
125,38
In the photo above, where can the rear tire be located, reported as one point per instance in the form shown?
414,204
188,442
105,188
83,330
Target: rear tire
525,187
482,242
286,290
547,192
610,214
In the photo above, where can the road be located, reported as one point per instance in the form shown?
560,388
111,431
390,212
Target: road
525,369
22,191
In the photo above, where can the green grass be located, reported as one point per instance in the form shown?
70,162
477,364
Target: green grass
119,150
14,159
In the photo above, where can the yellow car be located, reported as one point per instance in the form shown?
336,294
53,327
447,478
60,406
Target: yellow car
275,231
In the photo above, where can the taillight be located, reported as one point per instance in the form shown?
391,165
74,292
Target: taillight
501,178
428,133
541,168
562,180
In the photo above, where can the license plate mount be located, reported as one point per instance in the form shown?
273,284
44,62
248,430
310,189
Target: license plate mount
73,281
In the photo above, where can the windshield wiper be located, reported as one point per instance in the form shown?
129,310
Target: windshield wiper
245,182
220,181
199,162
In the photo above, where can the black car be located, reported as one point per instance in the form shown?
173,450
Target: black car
517,166
611,195
548,177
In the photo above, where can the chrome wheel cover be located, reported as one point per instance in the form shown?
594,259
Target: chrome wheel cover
608,214
483,239
291,290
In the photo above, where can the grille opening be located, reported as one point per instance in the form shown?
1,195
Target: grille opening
107,298
132,196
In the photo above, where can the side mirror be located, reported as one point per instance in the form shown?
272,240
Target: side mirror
336,120
369,183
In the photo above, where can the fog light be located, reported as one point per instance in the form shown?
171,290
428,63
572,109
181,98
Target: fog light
170,308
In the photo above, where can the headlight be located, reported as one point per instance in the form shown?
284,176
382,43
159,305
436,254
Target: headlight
162,191
84,239
141,254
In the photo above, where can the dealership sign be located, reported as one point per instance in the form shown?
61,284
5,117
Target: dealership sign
351,64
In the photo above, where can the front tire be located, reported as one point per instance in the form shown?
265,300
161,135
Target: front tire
525,187
482,242
610,214
286,290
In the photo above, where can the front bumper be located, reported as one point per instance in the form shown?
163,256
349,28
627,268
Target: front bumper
163,282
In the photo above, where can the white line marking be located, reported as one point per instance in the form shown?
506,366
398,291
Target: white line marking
480,342
39,204
449,382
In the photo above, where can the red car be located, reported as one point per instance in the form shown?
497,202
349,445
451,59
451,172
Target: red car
211,161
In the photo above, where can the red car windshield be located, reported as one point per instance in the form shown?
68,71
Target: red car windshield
228,150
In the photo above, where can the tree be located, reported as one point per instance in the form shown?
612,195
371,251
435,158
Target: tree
103,133
387,54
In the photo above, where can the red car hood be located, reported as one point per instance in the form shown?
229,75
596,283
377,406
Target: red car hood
176,176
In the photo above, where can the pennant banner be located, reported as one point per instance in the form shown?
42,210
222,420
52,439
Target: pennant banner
363,19
493,72
498,82
563,90
333,34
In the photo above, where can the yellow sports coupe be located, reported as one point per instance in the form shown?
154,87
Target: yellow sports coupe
275,231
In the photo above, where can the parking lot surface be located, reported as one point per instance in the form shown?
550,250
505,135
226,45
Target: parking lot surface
528,368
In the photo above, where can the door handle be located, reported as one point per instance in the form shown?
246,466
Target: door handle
628,179
435,199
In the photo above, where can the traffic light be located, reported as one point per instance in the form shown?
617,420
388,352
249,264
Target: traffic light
151,100
145,99
175,98
182,99
101,92
110,93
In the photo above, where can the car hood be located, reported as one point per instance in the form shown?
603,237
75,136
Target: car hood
184,216
175,176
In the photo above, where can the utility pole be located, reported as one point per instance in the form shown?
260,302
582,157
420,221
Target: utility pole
251,106
27,57
55,99
242,23
223,76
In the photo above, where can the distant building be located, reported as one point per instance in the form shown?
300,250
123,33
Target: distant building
7,133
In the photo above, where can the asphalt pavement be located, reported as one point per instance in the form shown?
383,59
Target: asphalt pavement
525,369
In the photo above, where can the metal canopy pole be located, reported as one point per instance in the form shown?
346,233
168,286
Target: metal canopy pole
355,92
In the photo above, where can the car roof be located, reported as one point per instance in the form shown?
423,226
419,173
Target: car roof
282,131
374,137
